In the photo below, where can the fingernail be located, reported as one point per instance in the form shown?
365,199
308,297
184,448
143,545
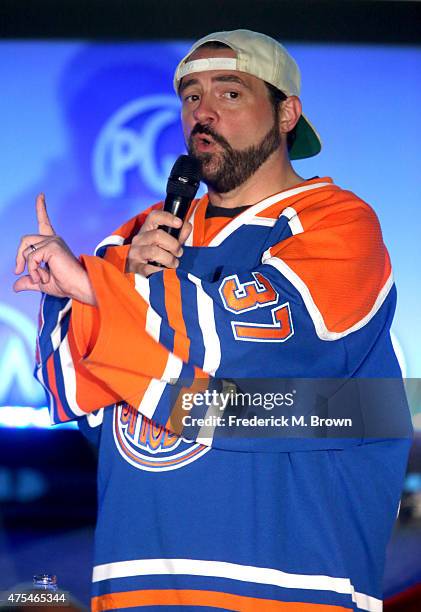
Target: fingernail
178,221
180,252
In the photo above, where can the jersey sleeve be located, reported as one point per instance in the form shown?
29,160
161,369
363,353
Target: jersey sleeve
115,248
72,391
288,317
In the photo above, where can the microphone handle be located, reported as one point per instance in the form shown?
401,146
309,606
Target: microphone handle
176,205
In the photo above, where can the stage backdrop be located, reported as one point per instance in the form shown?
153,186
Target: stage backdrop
96,127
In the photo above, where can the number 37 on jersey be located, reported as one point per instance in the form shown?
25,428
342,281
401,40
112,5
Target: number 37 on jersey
239,298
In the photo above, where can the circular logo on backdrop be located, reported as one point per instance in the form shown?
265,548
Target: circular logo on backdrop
18,386
149,446
129,141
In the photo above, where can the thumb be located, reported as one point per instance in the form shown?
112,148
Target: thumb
185,232
44,224
25,283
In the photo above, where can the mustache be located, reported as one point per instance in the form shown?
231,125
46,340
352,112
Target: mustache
201,128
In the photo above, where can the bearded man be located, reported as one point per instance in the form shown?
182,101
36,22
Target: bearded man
273,276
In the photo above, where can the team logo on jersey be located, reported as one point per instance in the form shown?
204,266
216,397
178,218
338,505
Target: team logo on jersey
148,446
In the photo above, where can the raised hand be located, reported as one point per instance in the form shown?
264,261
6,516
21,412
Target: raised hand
52,268
153,244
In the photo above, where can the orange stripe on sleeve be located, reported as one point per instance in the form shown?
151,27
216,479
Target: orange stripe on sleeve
123,350
84,327
117,255
91,393
214,599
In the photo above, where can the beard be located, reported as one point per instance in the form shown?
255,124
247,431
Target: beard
227,170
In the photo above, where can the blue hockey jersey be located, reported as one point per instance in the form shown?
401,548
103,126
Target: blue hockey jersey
298,286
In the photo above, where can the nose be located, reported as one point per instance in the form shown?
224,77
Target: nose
205,111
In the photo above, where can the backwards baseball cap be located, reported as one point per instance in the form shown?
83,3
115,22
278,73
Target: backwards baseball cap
266,59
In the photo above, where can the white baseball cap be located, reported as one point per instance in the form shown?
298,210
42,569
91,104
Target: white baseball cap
266,59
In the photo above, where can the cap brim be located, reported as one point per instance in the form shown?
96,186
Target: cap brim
307,142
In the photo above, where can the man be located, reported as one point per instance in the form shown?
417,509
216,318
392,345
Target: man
273,276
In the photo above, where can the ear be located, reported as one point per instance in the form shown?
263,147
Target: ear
289,114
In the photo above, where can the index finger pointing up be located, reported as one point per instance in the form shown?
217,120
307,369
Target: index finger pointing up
44,224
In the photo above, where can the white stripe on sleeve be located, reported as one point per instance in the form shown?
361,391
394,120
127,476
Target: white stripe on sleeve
156,387
153,320
207,325
293,220
69,377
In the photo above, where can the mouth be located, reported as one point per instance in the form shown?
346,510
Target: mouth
203,142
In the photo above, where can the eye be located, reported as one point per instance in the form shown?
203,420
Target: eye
191,98
231,95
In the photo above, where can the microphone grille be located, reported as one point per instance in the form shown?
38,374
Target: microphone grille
188,167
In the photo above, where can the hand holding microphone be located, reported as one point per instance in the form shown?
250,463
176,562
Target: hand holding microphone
158,244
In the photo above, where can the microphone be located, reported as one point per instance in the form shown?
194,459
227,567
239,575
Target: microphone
182,186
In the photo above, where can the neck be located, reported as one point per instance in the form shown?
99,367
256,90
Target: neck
275,175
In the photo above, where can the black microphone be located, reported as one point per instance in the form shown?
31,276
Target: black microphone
182,186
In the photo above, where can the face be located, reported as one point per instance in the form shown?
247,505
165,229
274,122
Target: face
228,121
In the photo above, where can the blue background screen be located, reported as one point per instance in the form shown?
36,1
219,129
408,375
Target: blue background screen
96,127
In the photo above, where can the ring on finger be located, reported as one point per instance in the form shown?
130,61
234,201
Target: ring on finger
33,247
